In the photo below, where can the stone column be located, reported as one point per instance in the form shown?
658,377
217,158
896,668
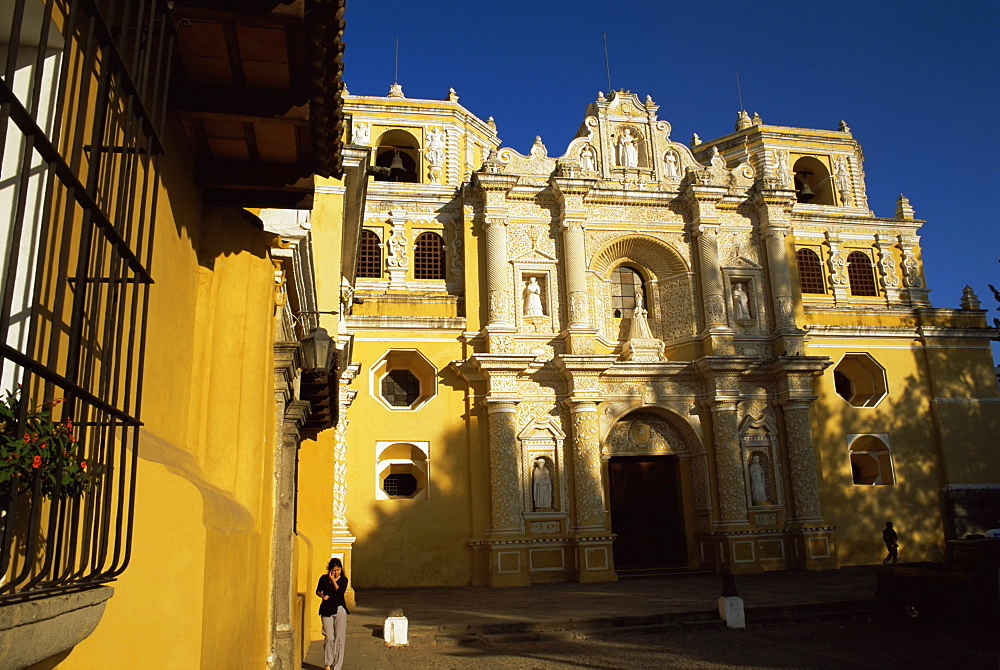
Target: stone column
291,416
498,289
728,463
909,250
342,540
505,480
802,463
398,246
838,267
704,231
573,216
887,268
774,207
588,490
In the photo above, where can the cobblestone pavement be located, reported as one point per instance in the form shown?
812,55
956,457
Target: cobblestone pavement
655,623
882,642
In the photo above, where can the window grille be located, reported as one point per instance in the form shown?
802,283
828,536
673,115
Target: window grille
370,256
626,284
401,484
400,388
860,274
428,257
810,271
82,97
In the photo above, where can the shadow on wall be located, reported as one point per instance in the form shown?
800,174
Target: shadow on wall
931,444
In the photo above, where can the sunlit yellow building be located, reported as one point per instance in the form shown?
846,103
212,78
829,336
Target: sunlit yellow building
640,355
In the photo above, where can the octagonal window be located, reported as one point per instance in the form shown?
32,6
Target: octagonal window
403,380
401,470
860,380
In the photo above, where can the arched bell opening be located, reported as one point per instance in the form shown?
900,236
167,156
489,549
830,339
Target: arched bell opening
399,151
812,182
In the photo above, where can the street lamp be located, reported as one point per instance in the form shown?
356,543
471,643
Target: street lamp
317,350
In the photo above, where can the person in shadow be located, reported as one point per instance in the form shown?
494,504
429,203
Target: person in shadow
891,543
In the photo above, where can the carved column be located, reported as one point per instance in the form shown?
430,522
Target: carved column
802,463
505,480
587,488
397,261
728,463
291,415
914,282
573,216
498,289
774,207
887,268
704,231
342,541
838,267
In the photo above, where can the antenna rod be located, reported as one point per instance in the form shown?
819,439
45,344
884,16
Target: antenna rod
739,93
395,79
606,65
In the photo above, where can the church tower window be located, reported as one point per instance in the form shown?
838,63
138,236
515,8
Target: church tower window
399,151
626,284
810,271
369,256
429,257
860,274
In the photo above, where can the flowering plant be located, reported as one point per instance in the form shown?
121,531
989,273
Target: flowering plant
46,448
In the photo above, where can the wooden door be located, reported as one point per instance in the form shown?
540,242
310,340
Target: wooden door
646,512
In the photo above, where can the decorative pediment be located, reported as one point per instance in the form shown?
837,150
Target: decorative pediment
643,436
537,162
542,429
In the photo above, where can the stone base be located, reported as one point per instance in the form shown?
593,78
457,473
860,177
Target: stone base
731,611
744,552
646,351
594,560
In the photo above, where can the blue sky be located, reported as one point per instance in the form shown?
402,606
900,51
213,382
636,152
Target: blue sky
918,82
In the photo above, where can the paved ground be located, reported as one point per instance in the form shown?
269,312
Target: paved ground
646,623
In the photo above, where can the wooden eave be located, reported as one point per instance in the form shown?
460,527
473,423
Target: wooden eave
259,92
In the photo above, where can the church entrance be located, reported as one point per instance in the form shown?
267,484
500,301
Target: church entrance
646,512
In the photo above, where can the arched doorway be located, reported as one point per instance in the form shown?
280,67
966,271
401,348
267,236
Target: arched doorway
645,485
646,512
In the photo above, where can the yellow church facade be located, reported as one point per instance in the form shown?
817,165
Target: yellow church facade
642,356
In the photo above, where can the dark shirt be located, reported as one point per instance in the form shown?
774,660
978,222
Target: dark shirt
325,587
889,537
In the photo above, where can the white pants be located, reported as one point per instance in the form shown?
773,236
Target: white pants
335,632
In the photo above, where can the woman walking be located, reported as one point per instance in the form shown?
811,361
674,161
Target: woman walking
333,613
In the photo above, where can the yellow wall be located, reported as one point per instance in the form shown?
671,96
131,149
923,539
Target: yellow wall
202,524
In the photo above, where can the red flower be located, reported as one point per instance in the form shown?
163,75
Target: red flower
37,462
83,464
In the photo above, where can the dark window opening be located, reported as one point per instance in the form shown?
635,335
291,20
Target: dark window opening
400,485
370,256
842,384
626,284
428,257
810,271
860,274
400,388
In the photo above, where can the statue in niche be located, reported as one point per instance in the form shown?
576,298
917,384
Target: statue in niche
628,149
670,164
541,485
741,303
784,173
435,146
843,176
533,298
362,134
588,159
758,486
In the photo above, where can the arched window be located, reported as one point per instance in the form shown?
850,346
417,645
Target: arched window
626,284
369,256
401,145
860,274
428,257
871,462
810,271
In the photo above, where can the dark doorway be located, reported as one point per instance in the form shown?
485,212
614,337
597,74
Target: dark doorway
646,512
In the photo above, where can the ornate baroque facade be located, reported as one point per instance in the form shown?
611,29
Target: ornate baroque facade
643,354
